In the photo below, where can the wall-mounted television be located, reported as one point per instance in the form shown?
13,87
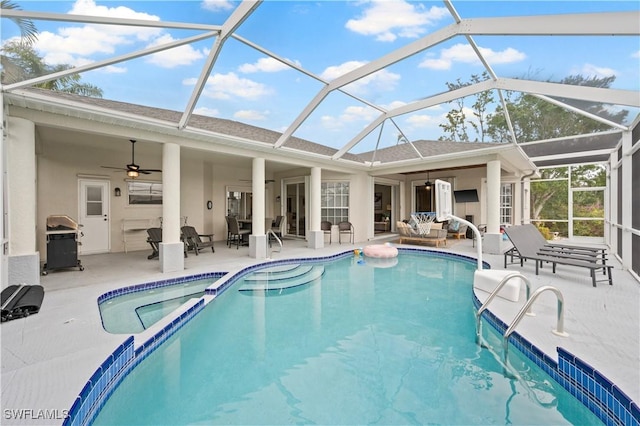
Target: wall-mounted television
466,196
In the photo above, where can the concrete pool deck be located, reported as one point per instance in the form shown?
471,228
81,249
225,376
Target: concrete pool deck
47,358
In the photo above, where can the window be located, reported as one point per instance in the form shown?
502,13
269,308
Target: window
239,203
335,202
506,203
141,192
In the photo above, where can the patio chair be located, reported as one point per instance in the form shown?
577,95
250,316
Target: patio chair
194,241
325,226
526,246
276,227
346,228
457,230
154,239
237,234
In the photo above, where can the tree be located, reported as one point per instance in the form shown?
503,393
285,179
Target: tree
28,30
21,62
536,119
456,128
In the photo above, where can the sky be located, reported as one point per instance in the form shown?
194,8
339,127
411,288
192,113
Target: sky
327,39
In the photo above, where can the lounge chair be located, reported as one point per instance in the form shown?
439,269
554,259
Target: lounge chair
424,233
527,246
194,241
20,301
154,239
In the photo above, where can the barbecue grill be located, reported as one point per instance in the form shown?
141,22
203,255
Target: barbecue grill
62,244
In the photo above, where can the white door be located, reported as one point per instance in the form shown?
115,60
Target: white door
94,217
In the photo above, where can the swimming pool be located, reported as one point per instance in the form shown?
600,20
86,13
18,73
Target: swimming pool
358,344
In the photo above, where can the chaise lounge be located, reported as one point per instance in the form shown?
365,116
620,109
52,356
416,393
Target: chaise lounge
526,245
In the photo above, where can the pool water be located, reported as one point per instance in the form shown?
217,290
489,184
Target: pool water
136,311
358,345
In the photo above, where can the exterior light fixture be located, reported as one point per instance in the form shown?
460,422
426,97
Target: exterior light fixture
118,192
427,184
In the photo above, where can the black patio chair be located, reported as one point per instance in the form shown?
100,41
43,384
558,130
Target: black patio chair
194,241
346,228
325,226
236,234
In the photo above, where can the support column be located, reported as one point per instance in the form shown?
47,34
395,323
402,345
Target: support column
316,236
627,201
171,247
24,260
493,239
257,239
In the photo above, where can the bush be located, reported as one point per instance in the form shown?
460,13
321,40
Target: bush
546,232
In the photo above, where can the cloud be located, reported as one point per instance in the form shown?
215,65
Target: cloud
74,45
209,112
595,71
265,65
251,115
423,120
89,7
464,53
230,86
379,81
177,56
216,5
350,114
388,20
112,69
636,54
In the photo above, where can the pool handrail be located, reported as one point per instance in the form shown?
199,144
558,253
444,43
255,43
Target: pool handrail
476,231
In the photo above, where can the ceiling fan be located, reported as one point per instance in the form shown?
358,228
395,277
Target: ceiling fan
133,170
265,181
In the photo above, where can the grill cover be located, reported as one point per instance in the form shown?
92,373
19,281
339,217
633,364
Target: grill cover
61,223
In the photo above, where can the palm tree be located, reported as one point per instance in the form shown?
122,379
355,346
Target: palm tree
28,30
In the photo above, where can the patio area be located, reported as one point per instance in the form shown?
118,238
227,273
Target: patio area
47,358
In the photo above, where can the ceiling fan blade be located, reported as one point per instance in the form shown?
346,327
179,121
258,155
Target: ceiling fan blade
250,181
149,170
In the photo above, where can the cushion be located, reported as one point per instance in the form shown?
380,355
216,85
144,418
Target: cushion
454,226
436,225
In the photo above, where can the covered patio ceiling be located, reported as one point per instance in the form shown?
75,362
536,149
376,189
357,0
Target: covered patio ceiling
388,131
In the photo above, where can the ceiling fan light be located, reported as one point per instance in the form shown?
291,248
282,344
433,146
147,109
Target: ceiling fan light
132,173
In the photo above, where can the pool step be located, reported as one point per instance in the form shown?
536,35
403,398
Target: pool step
276,279
283,272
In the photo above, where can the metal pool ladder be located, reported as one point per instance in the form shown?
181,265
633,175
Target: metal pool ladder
525,310
493,295
559,331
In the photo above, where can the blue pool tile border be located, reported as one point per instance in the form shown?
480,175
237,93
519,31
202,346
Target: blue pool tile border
585,383
157,284
116,367
588,385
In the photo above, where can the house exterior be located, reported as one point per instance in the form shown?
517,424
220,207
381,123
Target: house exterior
58,143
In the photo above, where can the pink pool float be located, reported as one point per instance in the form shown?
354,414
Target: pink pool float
381,251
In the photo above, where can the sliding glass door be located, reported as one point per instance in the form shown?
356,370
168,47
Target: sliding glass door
295,209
